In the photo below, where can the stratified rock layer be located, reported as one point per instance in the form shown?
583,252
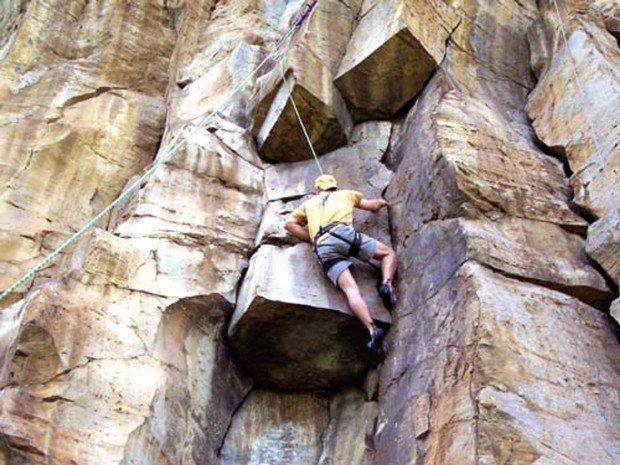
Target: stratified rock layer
501,350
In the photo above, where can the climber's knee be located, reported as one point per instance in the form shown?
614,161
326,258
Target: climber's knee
383,251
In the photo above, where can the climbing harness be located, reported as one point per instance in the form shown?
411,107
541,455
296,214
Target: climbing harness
580,90
354,245
177,142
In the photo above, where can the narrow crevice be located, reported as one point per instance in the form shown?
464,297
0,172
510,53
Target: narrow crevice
232,417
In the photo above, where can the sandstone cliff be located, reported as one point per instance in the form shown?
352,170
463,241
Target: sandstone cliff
187,327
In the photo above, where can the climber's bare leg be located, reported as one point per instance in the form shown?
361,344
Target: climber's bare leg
358,306
387,256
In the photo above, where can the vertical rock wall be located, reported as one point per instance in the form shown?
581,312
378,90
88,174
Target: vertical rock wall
165,335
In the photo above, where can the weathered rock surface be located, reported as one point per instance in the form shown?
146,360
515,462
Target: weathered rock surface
304,429
580,122
120,353
315,343
528,374
119,376
603,244
88,89
314,58
530,251
278,429
467,160
393,52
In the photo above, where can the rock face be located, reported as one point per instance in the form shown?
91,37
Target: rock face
393,51
313,345
187,327
314,58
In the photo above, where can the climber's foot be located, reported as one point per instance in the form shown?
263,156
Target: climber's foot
375,342
387,294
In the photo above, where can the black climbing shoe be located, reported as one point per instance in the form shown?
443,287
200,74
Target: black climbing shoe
375,342
387,294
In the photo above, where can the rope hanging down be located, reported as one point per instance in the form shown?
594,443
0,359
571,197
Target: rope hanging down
176,143
580,91
298,23
298,115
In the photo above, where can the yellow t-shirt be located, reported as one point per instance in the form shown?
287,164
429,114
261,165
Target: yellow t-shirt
326,208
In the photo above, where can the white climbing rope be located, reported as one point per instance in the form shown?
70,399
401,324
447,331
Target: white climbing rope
177,142
580,91
297,114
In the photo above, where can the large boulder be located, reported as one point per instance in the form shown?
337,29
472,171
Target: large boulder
392,53
292,328
310,68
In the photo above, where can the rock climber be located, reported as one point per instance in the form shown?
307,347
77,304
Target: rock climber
329,218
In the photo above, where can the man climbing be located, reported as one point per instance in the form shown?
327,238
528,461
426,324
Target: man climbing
329,217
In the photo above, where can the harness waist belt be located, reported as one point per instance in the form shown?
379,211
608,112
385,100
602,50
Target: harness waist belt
354,246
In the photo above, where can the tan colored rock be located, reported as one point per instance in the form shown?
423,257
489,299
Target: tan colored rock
313,59
467,160
287,286
391,55
271,229
580,121
276,428
78,82
102,258
514,373
603,244
195,221
117,370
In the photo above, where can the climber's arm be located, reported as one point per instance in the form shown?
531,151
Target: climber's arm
294,227
373,205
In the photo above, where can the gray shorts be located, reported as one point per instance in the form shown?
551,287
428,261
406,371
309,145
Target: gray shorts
333,249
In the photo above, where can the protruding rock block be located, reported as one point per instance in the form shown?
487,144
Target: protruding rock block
532,251
292,328
323,112
603,244
543,367
391,55
465,159
310,71
581,123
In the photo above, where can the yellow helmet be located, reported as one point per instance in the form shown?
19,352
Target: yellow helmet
325,182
